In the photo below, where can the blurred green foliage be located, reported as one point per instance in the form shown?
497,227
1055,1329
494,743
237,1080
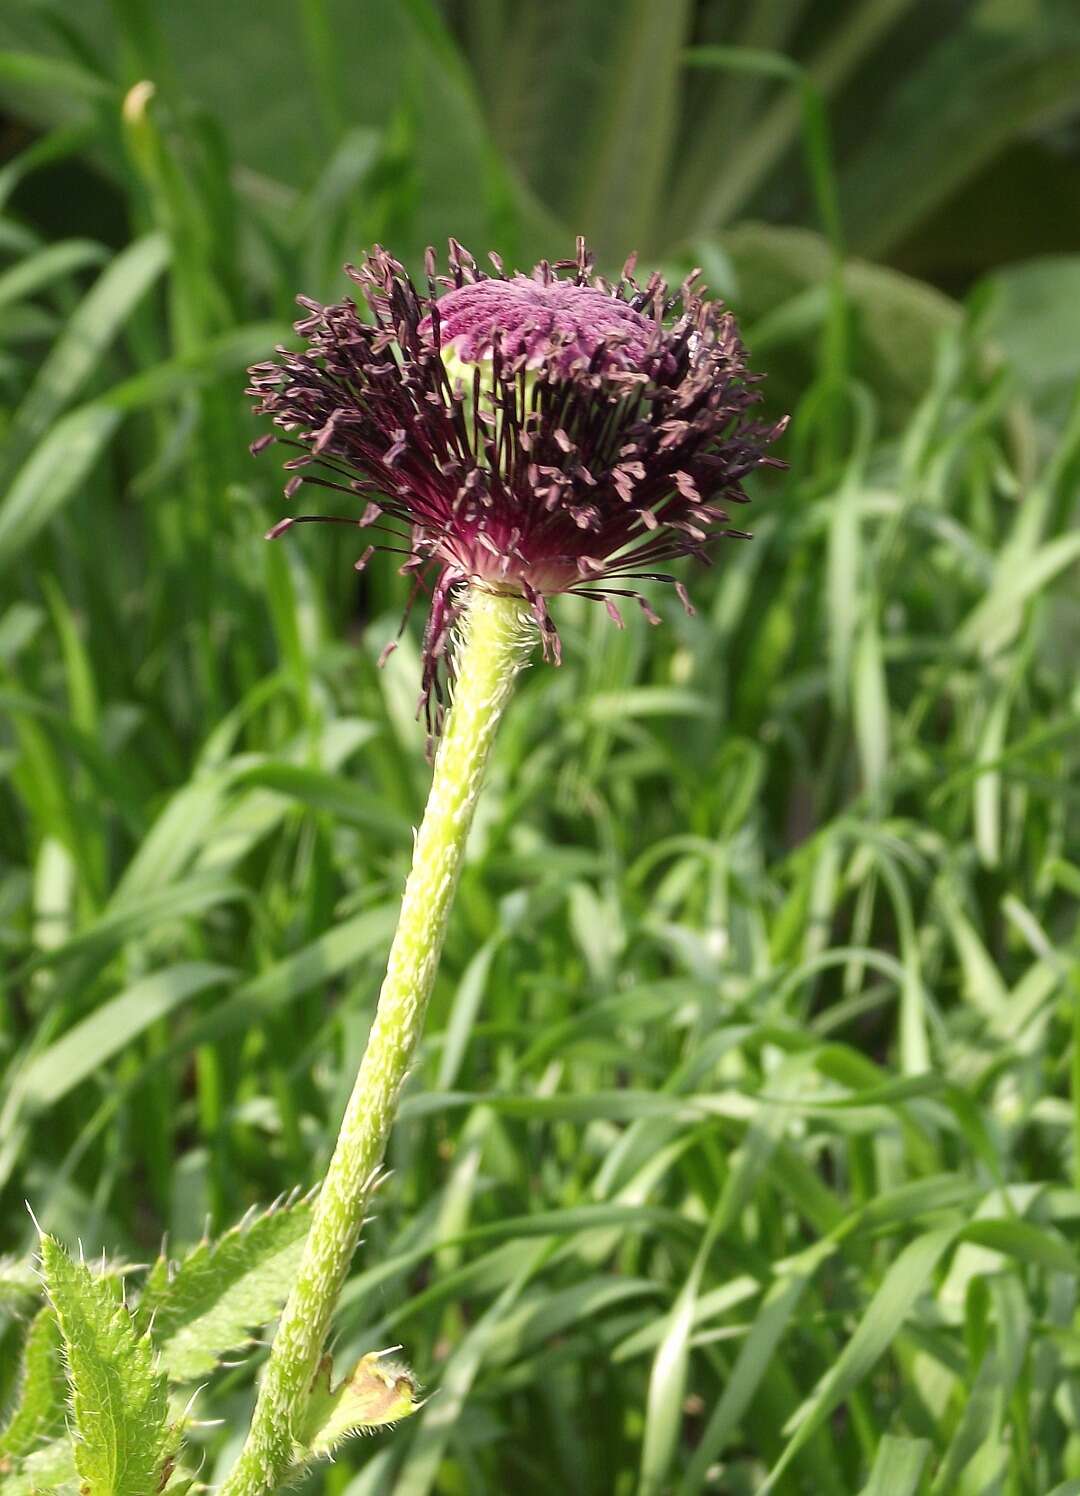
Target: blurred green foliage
745,1137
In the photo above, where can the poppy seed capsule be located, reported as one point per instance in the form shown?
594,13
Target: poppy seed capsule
527,434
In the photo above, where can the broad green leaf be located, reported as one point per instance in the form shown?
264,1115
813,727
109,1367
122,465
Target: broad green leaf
334,794
1027,1243
48,150
78,668
900,319
180,1483
1005,69
815,135
983,984
453,134
223,1290
989,783
535,66
1036,318
623,1219
667,1386
543,1312
980,1432
123,1441
228,354
180,828
647,701
718,1301
103,768
38,1413
612,1106
286,980
843,576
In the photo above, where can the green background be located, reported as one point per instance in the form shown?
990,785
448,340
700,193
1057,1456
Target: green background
745,1134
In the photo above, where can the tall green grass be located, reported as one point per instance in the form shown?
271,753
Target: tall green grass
743,1153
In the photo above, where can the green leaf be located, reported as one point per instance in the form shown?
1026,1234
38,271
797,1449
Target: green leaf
418,1476
48,1469
315,964
376,1393
877,1329
814,128
1035,316
871,706
981,1431
62,79
667,1381
996,619
99,1036
177,901
340,797
1004,70
844,562
52,473
1027,1243
898,1468
175,377
77,353
180,1484
29,276
625,170
778,1307
124,1444
66,453
899,320
39,1411
223,1290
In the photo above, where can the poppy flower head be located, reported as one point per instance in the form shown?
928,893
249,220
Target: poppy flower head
529,434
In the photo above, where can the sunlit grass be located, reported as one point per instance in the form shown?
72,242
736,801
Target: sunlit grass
745,1137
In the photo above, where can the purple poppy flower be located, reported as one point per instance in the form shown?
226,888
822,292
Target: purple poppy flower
528,434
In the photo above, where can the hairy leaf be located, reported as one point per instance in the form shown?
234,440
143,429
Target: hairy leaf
223,1290
39,1409
124,1443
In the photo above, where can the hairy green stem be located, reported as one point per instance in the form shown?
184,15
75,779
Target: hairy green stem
496,637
